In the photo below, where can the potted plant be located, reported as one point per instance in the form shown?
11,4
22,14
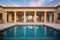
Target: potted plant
47,18
12,19
0,19
38,19
58,19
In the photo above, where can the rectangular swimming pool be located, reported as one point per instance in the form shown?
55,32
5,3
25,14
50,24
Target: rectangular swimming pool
30,32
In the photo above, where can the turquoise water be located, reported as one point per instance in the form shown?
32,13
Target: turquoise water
30,33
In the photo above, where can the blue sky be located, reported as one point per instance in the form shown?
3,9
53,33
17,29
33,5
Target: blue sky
34,3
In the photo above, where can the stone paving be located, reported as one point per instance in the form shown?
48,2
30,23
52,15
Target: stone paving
7,25
53,25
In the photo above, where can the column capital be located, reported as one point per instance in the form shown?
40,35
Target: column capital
24,11
45,11
15,11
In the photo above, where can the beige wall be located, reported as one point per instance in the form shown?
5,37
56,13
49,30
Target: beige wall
30,9
5,9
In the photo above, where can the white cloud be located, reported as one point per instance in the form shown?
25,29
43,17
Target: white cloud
34,3
38,2
58,3
14,4
49,1
2,4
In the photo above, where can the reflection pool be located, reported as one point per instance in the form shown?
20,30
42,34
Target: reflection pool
30,32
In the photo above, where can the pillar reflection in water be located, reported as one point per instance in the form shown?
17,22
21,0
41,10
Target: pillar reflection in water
20,32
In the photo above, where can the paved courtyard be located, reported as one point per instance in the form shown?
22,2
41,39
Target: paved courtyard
7,25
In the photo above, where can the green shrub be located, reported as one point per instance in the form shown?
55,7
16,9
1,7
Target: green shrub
0,18
58,17
12,17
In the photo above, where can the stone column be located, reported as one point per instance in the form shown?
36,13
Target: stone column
5,17
50,18
10,17
35,17
15,17
45,17
24,17
54,17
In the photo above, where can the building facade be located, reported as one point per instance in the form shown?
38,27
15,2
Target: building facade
29,14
